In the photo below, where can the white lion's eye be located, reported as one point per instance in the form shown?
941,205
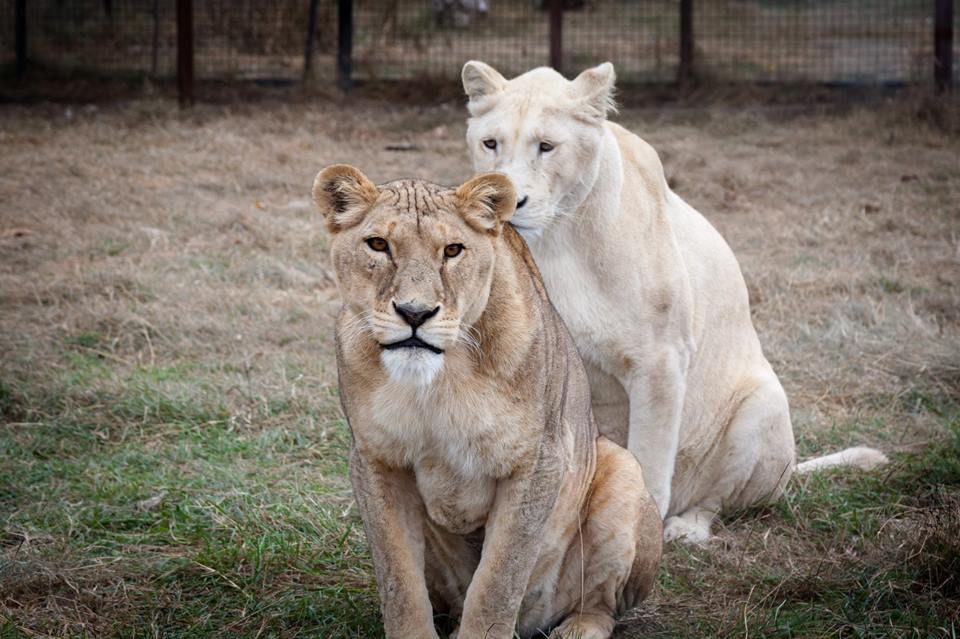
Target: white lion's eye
546,147
490,144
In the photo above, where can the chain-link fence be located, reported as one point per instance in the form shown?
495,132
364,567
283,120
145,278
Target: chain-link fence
831,41
232,39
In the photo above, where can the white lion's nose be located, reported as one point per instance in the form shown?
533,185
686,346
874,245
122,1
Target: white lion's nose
522,201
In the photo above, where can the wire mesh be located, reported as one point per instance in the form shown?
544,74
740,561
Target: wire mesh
839,41
249,39
642,39
433,38
102,37
855,41
236,39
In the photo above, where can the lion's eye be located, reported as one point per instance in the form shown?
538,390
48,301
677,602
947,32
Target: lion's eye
546,147
490,144
378,244
452,250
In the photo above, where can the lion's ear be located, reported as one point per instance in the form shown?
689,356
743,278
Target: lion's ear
480,80
487,201
593,89
343,195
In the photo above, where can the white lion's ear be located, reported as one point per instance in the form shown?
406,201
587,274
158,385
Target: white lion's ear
480,80
593,89
343,195
487,201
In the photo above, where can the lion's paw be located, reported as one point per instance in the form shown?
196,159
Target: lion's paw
584,626
679,529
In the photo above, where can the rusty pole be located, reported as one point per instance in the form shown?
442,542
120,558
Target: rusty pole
20,36
345,43
308,47
185,51
685,71
155,49
556,35
943,44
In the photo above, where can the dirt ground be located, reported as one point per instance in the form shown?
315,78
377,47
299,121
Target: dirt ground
172,452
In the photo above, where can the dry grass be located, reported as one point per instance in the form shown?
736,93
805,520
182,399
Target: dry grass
172,454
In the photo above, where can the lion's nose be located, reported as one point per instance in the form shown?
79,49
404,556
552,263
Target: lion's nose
522,201
414,315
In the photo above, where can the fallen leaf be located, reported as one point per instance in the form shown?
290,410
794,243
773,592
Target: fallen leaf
16,232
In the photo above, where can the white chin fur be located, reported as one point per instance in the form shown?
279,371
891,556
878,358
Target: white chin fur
530,224
529,233
412,365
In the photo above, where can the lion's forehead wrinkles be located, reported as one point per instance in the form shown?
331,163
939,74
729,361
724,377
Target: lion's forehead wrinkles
418,198
410,185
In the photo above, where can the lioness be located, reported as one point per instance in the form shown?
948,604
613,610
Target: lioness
478,470
650,291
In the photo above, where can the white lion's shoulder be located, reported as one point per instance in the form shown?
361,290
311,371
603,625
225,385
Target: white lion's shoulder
640,160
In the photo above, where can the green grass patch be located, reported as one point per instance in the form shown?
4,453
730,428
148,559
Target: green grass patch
184,499
844,554
202,516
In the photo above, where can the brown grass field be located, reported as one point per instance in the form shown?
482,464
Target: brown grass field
172,451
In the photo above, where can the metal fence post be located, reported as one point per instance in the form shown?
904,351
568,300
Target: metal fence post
943,44
556,35
155,44
685,71
345,43
20,36
185,51
308,48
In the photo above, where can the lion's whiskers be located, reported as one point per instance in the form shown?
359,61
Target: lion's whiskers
470,337
474,333
356,326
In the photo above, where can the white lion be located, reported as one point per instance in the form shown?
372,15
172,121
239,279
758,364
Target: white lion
651,292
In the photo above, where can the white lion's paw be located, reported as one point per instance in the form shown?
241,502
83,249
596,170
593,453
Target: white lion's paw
676,528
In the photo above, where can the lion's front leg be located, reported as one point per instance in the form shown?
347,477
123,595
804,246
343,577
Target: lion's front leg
656,395
511,547
393,518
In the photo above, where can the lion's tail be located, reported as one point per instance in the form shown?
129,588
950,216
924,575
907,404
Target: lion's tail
861,457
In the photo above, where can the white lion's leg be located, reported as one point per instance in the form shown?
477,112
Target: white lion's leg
751,465
611,405
656,404
762,429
